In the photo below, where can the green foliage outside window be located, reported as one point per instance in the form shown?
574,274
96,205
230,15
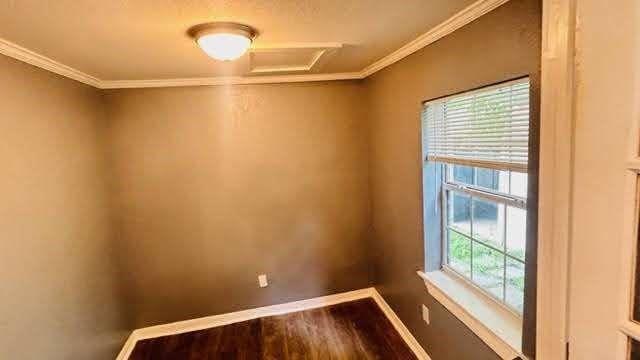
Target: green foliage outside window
486,260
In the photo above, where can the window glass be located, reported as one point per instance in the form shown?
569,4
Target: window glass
486,230
459,252
459,213
495,180
518,184
516,232
488,178
488,269
463,174
514,289
488,222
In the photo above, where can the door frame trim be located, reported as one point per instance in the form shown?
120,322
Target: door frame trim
557,105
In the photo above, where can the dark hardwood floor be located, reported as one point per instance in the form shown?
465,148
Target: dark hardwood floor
352,330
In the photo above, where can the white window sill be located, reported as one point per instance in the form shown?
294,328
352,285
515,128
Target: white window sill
499,328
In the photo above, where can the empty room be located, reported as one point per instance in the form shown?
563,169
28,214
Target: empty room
319,179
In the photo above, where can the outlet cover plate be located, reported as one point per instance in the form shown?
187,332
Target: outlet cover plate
425,314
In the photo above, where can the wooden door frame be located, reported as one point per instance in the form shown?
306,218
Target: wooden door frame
557,103
629,247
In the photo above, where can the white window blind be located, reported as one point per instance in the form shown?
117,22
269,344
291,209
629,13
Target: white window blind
488,127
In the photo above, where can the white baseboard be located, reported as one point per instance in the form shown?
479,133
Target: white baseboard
414,345
244,315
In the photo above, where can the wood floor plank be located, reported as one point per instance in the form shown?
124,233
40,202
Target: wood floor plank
358,346
205,344
275,346
297,337
325,339
374,321
346,331
361,328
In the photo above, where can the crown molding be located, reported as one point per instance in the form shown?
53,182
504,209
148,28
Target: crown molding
458,20
235,80
25,55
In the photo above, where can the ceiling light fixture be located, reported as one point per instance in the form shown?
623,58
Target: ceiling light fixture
223,41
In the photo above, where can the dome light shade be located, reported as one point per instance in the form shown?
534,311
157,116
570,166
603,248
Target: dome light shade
224,47
223,41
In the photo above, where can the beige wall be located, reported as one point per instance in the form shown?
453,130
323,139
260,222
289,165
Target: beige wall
59,298
210,186
215,185
501,45
606,61
219,184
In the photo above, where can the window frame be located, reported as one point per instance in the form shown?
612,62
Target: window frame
473,191
502,330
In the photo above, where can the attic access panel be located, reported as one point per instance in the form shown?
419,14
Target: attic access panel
290,58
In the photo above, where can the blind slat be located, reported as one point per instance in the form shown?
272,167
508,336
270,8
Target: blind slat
522,112
513,91
482,127
517,99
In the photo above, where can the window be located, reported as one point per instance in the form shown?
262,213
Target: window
484,217
479,142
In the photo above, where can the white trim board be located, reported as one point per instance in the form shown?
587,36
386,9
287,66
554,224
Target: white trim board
25,55
244,315
557,100
236,80
458,20
455,22
399,326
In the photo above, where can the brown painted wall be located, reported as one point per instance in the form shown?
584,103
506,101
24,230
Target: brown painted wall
59,297
501,45
215,185
219,184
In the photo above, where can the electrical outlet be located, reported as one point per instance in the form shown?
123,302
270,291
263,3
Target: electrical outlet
262,280
425,314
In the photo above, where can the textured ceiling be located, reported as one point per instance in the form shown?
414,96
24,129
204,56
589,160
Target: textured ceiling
145,39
